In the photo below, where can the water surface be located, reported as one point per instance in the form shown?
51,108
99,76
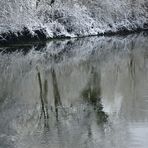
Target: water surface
78,93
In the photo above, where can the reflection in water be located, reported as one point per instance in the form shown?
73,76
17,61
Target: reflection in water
57,99
84,93
131,66
92,94
44,102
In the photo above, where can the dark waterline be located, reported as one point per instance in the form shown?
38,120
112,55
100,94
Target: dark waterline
26,37
77,93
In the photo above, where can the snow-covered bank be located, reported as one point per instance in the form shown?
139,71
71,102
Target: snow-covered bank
43,19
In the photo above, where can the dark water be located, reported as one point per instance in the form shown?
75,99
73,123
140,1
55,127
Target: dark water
79,93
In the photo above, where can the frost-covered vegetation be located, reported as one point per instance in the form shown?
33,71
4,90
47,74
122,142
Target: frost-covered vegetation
72,18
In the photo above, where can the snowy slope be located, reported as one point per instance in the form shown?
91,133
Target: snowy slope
71,18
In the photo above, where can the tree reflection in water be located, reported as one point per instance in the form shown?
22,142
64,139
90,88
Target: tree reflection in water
44,101
57,98
92,95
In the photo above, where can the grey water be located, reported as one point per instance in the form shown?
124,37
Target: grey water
78,93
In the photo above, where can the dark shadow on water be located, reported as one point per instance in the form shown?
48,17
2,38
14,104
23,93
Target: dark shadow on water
43,99
92,95
24,48
56,93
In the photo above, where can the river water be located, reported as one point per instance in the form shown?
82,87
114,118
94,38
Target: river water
79,93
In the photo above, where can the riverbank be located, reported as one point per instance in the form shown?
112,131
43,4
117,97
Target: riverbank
26,36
